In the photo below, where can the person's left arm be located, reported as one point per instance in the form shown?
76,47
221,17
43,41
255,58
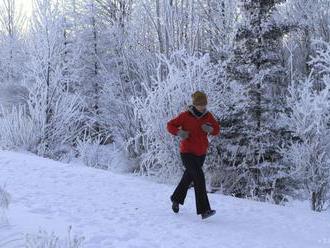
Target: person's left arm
215,125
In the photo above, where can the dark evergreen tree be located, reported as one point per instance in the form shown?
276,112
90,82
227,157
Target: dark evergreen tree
256,63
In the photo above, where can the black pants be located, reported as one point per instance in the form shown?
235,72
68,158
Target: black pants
193,173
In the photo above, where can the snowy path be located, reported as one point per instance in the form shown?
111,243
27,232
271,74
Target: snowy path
114,210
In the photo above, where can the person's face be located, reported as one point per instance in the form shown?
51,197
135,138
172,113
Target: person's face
200,108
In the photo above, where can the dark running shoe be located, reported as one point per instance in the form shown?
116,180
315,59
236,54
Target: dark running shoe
208,213
175,205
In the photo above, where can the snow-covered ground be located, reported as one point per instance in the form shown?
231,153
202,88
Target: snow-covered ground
117,210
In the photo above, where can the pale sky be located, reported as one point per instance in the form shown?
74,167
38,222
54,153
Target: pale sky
26,6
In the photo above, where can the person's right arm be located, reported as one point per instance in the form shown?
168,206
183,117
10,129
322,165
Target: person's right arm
174,124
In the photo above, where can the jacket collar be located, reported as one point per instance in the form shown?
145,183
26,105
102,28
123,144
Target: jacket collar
190,108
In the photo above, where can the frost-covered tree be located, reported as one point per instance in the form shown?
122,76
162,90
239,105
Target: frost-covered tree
309,20
51,105
12,55
127,64
219,22
307,118
88,40
72,47
308,156
257,64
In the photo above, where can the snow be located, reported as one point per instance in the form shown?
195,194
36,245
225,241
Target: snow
123,210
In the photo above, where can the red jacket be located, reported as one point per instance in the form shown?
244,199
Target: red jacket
197,142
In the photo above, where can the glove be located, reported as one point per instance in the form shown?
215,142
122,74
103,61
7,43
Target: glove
183,134
207,128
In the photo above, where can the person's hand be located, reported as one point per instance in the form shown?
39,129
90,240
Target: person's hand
183,134
207,128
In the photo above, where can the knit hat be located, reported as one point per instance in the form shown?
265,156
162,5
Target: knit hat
199,98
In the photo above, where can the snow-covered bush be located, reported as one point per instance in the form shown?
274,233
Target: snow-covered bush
12,95
321,61
43,125
92,152
95,154
15,126
120,161
60,122
43,239
164,100
127,65
53,107
5,199
17,129
308,155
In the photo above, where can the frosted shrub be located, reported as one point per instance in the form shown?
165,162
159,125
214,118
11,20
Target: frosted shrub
164,100
13,95
5,199
45,240
109,157
91,153
308,156
63,125
17,129
43,126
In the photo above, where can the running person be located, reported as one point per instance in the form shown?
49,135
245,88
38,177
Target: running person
193,126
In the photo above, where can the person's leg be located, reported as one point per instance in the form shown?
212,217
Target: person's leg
202,201
180,192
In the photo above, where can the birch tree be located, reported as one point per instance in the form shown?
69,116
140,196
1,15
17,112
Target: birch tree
11,47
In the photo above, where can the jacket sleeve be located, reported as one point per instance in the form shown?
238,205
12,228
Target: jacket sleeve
215,124
174,124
